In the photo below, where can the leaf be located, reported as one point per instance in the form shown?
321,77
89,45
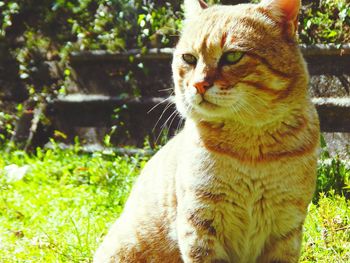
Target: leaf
332,34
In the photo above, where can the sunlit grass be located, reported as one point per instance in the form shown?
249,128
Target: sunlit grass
60,209
327,231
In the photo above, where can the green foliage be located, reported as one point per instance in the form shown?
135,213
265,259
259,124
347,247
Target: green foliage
333,174
159,27
8,9
327,23
6,121
119,24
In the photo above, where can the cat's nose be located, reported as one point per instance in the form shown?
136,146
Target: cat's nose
202,86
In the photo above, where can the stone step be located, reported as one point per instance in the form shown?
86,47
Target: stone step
91,117
334,113
95,110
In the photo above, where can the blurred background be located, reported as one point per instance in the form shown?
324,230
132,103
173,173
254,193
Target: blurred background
93,71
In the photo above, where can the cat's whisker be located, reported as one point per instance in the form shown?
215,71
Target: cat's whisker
165,123
173,120
166,90
170,103
159,103
237,110
173,117
179,125
249,108
259,99
189,108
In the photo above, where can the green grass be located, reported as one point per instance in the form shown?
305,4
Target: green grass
62,207
327,230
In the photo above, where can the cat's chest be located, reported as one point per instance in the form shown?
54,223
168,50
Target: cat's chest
247,205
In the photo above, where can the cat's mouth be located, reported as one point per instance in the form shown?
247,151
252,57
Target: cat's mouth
206,102
199,100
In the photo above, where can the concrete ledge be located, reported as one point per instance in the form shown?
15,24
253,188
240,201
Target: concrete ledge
166,53
92,148
97,99
325,50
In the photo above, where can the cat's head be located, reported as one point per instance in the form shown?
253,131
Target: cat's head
239,62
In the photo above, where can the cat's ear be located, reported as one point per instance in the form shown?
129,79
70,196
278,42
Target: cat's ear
285,10
194,7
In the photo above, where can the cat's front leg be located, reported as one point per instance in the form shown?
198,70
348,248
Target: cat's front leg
285,249
198,236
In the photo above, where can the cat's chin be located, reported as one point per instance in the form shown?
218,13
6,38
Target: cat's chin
208,111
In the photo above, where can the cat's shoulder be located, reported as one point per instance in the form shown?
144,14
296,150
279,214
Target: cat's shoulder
168,153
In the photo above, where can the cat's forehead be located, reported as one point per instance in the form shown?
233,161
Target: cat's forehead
221,27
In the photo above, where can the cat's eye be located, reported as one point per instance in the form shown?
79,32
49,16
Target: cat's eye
231,58
189,59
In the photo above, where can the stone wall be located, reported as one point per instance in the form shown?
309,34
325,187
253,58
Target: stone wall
121,89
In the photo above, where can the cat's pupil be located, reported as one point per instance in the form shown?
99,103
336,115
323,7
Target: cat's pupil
189,59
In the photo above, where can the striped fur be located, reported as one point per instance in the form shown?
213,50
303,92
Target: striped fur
235,183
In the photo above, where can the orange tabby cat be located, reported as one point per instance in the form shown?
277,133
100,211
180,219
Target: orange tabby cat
235,183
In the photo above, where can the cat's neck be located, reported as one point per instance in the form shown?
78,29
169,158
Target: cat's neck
290,136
